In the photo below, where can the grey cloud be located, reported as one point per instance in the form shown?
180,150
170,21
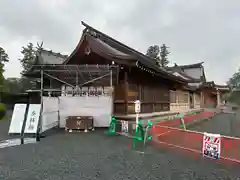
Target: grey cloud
196,30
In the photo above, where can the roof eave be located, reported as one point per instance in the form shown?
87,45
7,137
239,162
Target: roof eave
145,60
77,47
197,65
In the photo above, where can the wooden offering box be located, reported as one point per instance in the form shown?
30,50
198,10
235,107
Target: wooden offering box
79,123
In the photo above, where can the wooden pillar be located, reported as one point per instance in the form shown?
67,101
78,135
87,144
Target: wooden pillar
126,87
140,92
202,99
218,98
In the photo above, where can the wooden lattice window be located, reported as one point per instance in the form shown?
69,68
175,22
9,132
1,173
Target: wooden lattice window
173,97
183,97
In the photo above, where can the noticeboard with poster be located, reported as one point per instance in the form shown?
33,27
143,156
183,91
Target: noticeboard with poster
211,145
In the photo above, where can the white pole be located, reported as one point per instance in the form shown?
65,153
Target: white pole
137,119
137,111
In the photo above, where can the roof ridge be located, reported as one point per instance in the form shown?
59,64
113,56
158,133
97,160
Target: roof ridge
54,53
147,58
186,75
88,26
176,65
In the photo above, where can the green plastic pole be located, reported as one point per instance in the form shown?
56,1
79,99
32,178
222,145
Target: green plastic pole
141,134
181,116
147,137
112,127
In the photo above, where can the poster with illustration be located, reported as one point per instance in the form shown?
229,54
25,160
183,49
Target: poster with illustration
211,145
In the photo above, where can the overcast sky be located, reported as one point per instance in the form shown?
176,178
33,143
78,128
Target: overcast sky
195,30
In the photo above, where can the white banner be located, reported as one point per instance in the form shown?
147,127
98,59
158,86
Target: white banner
50,113
99,107
211,145
17,119
50,104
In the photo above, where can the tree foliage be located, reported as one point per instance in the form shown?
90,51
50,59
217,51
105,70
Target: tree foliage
164,55
159,54
3,56
18,85
29,55
153,52
13,85
234,83
3,59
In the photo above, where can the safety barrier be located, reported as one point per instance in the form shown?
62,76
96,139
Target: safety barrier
192,141
171,134
140,132
184,121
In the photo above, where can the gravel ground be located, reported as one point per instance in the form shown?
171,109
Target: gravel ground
224,124
89,156
4,126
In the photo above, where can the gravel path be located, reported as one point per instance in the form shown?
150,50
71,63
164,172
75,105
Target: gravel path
4,126
89,156
224,124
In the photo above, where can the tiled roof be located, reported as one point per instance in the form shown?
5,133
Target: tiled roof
50,57
177,69
196,65
106,45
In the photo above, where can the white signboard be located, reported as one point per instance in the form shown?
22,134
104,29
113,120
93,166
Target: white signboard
17,118
32,118
124,126
137,106
211,145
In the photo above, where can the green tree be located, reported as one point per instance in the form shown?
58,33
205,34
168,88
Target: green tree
153,52
164,55
3,59
29,55
3,56
159,54
13,85
234,83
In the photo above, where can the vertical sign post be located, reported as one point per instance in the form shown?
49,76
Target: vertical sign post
24,124
138,129
137,110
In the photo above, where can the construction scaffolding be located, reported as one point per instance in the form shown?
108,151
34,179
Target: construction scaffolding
83,80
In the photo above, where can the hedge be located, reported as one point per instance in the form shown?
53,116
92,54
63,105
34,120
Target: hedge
2,111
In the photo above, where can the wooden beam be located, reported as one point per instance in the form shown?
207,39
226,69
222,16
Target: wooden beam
126,87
